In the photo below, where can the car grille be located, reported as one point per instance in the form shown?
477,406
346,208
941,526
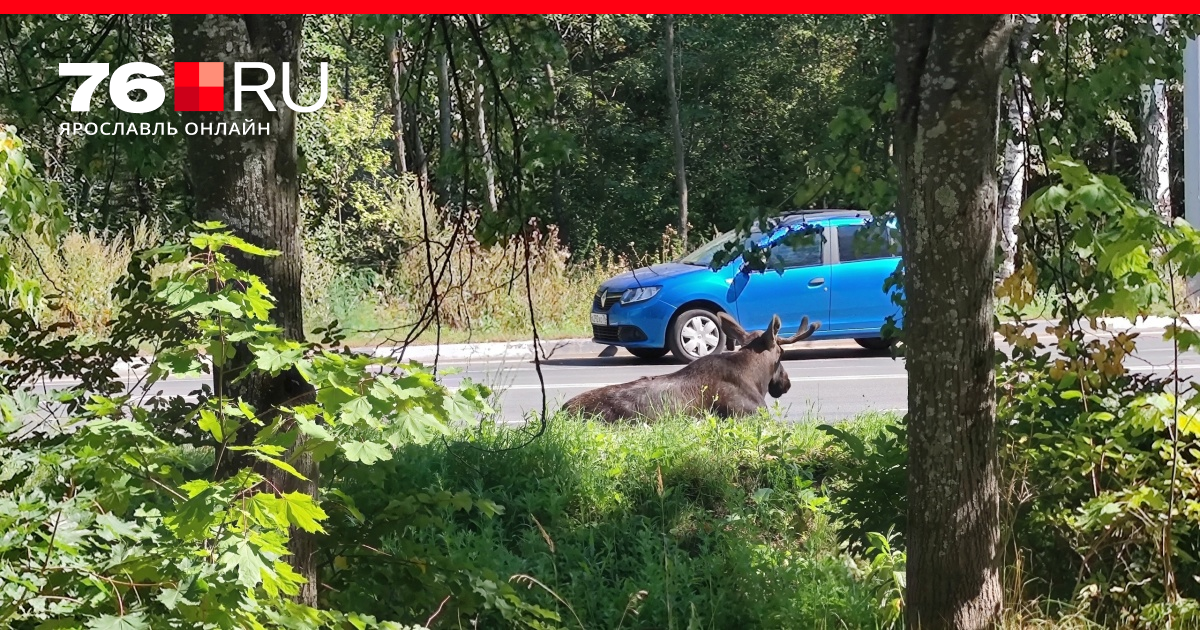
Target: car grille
604,300
605,333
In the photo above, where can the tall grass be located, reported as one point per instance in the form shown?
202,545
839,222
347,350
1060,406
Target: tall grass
81,272
482,294
481,291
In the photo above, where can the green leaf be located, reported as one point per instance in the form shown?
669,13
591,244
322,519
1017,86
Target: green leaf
359,408
209,422
132,621
170,598
248,562
267,510
461,501
303,512
283,578
282,465
366,452
418,425
195,517
115,527
348,503
272,360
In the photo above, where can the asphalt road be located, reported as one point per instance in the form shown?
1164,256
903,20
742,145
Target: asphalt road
831,381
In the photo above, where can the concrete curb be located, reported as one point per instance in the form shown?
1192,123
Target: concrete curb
493,350
1121,324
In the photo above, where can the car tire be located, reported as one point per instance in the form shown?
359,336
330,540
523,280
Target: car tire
694,334
648,354
875,343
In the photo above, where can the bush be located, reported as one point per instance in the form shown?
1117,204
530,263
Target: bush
870,483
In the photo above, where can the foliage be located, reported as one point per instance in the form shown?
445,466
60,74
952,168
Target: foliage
110,182
757,96
1099,454
684,523
123,509
870,484
1087,72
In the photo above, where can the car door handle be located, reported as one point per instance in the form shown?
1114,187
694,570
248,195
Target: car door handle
816,282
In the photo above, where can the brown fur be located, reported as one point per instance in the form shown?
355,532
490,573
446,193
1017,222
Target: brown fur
727,384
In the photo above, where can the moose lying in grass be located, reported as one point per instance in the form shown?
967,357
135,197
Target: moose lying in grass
727,384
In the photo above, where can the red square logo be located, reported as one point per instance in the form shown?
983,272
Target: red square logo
199,86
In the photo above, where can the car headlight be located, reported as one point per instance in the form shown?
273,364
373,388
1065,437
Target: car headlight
639,294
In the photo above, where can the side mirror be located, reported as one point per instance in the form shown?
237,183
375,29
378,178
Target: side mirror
738,283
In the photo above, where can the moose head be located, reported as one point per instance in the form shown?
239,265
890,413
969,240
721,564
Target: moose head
767,347
727,384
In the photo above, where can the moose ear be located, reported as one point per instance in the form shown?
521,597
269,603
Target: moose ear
772,331
733,330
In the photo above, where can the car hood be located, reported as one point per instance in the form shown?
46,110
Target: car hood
649,276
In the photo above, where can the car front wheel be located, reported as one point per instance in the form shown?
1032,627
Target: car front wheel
696,333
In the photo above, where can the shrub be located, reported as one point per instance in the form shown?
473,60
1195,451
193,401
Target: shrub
870,483
125,510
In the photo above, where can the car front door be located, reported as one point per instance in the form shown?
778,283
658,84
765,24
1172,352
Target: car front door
866,254
794,285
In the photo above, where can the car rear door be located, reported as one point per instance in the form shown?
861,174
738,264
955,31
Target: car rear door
797,288
865,254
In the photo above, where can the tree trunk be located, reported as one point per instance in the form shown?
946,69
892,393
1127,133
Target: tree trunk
396,61
445,125
676,129
251,183
1013,167
420,159
948,89
1155,164
556,209
481,136
346,76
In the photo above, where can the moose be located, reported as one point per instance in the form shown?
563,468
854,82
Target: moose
727,384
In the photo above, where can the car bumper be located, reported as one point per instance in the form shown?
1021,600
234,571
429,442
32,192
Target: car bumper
641,325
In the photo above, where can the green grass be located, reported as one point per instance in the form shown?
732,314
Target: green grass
700,524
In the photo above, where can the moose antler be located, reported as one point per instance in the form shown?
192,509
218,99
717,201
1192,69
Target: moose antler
805,332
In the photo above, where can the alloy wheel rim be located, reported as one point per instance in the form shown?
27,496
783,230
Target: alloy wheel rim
700,336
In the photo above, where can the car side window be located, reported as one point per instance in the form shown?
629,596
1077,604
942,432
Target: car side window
801,252
860,242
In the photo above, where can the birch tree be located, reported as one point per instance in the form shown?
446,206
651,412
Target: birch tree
1013,171
1154,165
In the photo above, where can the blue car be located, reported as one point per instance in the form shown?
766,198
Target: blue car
828,265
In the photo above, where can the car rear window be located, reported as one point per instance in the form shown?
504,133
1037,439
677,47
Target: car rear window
870,241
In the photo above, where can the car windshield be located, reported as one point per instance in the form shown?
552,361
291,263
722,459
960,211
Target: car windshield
703,256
